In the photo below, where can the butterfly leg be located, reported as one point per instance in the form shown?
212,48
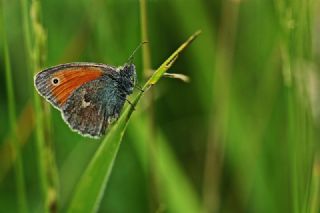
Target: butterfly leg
139,88
129,102
132,105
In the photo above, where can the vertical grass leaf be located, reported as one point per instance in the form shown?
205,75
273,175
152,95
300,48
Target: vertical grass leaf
18,163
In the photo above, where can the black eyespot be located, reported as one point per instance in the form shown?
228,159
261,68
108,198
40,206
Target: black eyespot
86,98
55,81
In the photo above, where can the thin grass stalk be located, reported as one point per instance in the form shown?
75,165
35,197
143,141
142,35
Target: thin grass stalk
33,64
291,141
307,158
26,28
40,125
289,89
18,164
146,60
221,79
25,124
48,166
315,187
146,56
300,124
27,37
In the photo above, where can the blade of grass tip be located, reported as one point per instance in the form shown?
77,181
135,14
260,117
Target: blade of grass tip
92,184
18,166
168,63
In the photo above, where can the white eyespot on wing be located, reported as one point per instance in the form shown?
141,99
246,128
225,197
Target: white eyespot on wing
85,104
55,81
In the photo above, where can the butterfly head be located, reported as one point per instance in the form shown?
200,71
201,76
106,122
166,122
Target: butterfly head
128,77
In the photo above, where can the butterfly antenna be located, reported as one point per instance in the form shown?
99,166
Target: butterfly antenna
130,59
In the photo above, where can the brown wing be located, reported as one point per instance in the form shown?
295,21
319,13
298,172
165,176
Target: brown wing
71,79
56,84
93,107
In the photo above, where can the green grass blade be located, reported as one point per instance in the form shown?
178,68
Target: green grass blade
92,184
34,39
18,164
176,190
168,63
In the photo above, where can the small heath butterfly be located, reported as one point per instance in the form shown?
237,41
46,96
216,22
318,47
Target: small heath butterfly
90,96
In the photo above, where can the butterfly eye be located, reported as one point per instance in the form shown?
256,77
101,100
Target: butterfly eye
55,81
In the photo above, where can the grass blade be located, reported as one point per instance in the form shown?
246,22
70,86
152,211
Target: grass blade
34,39
93,182
177,193
18,164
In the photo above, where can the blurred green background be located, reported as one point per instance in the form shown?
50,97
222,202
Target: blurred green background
242,136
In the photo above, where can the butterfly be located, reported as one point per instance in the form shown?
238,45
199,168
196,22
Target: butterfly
90,96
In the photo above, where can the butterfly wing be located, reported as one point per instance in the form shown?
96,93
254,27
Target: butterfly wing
87,94
57,83
93,106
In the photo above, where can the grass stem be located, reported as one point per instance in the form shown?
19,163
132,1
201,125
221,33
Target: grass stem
146,60
18,163
33,63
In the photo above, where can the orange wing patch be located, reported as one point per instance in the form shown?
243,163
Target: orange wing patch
69,80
